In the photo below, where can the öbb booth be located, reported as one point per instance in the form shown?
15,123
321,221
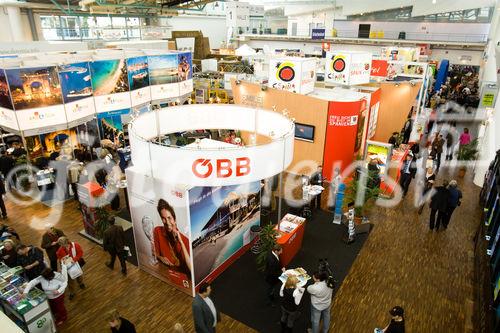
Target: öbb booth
192,207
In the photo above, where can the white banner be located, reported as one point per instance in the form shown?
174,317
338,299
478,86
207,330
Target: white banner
185,87
292,74
79,109
112,102
164,91
348,68
8,119
41,117
140,96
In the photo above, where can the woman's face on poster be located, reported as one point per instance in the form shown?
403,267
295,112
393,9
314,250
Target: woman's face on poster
168,220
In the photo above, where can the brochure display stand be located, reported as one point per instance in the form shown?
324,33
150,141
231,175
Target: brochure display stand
291,230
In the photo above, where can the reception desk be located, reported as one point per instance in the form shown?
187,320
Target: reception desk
290,237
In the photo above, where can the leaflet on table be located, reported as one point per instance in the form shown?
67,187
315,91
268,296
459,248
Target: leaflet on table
7,115
138,79
110,85
36,96
77,92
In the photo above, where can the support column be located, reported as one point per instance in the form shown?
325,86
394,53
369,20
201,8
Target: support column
16,24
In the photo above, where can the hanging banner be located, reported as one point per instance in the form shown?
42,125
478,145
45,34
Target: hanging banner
110,85
292,74
318,34
185,73
138,80
7,115
76,89
36,96
348,68
164,76
221,218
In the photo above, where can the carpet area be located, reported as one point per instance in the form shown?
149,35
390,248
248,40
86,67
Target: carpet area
240,291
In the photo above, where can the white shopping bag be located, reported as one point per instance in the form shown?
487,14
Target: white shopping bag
75,271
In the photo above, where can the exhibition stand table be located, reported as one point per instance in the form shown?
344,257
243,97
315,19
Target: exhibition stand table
291,233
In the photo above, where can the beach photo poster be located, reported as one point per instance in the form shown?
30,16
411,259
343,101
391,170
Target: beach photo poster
138,73
5,101
75,81
161,229
109,77
163,69
34,87
185,66
221,218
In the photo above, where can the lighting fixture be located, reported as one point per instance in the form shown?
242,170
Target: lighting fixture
433,2
263,87
237,82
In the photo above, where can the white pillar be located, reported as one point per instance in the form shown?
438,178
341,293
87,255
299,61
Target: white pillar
490,142
16,24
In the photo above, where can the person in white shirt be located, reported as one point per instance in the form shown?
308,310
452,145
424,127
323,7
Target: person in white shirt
321,300
291,295
53,284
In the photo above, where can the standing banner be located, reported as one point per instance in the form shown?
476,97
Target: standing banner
138,80
110,84
77,94
7,115
160,219
164,76
185,73
221,218
36,96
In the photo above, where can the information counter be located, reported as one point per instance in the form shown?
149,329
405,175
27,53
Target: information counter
291,233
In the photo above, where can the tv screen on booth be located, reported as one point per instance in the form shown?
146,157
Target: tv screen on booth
304,132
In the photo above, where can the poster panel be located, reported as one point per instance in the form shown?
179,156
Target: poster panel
285,74
7,115
161,229
221,218
337,68
110,85
138,79
111,125
379,151
164,76
76,89
308,76
185,66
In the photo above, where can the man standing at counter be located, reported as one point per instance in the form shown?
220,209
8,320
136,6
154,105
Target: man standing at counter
317,179
273,271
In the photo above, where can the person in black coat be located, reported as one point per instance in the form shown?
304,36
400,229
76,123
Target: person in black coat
205,314
6,164
118,324
2,203
439,205
273,270
407,173
317,179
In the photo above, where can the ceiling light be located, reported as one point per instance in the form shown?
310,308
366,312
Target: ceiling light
433,2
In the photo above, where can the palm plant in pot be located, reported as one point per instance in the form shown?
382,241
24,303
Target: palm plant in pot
353,188
466,153
268,236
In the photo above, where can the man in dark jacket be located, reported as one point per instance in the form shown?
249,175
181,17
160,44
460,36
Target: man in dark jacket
2,203
439,205
454,200
273,270
50,245
31,259
205,314
6,164
407,173
114,242
317,179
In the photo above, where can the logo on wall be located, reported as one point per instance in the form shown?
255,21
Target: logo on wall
41,116
203,168
285,71
338,63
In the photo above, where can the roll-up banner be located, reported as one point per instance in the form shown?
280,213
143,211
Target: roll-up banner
7,115
138,80
110,85
77,93
36,96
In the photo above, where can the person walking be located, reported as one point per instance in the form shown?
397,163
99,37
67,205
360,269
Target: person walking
205,314
430,178
407,173
31,259
454,200
449,145
53,284
69,253
321,300
114,243
50,244
437,149
465,138
291,295
439,205
273,271
118,324
397,324
2,203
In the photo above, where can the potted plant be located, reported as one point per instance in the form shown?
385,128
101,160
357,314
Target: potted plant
354,187
268,236
467,153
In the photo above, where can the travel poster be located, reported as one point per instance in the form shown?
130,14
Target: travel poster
221,218
7,115
164,76
138,79
110,85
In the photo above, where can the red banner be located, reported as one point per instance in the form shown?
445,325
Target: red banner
379,68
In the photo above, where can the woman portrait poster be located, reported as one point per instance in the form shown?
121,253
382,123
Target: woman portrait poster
171,247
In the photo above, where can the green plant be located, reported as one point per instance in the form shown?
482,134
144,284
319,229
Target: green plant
101,223
268,236
353,187
22,173
468,152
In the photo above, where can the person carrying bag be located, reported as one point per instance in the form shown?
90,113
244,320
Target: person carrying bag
71,254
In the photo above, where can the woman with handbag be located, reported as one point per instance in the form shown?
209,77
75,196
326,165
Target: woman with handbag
71,254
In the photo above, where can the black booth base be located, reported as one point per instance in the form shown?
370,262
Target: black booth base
240,291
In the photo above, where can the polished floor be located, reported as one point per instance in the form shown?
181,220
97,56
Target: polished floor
401,263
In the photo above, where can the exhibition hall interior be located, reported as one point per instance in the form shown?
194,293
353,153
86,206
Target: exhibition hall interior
264,166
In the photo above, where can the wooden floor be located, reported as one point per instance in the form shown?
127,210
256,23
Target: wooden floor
401,263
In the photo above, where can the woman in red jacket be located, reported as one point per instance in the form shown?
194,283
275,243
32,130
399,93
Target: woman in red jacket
71,252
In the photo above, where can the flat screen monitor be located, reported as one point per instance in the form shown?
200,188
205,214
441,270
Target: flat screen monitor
304,132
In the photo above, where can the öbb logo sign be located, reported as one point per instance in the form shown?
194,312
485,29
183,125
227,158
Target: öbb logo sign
224,168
